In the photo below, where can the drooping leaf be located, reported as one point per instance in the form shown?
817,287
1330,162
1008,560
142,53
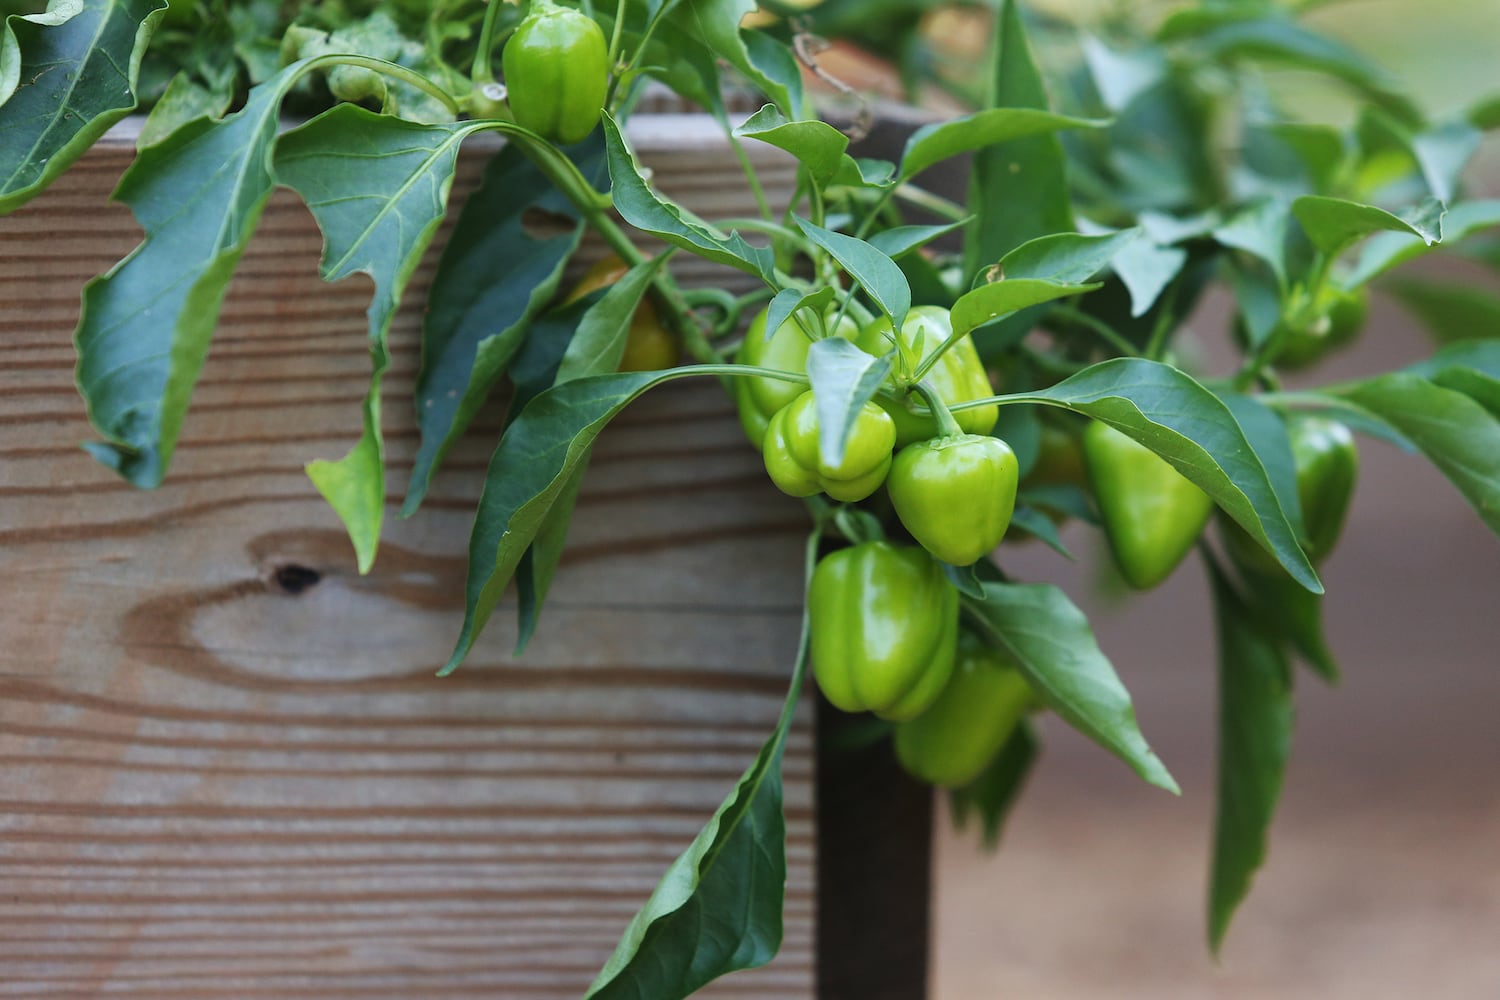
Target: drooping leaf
1385,250
844,378
644,209
146,324
1177,418
1334,223
715,24
816,144
65,77
1267,435
718,908
497,272
1255,734
1456,433
1056,650
378,187
531,468
881,279
1018,189
990,797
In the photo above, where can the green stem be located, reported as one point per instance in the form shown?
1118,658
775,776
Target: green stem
1097,326
947,426
482,72
869,220
614,36
749,170
1157,344
388,69
936,204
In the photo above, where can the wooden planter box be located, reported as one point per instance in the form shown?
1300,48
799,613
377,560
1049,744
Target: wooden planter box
229,770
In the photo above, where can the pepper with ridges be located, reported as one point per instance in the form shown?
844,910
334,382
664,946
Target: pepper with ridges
955,494
785,350
796,466
884,629
556,72
958,376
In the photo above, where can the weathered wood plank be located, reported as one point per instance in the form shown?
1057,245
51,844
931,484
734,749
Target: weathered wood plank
226,767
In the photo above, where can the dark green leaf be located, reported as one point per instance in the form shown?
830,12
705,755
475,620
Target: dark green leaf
718,908
844,378
64,79
1267,435
496,273
146,324
642,208
1018,190
599,344
1056,650
881,279
1184,423
715,24
1333,223
932,144
1064,498
378,186
1039,526
1255,734
1456,433
990,797
965,579
816,144
183,101
1485,113
897,242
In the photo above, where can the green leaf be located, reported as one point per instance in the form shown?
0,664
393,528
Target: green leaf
1018,189
146,324
932,144
1065,258
1456,433
1184,423
715,24
64,79
718,908
642,208
1333,223
183,101
1147,270
899,241
494,276
1039,526
816,144
844,378
1260,230
1320,149
599,344
1267,435
1056,651
789,301
1485,113
27,20
881,279
1443,152
1385,250
1255,734
991,795
1450,310
378,187
530,470
998,299
1464,366
1122,76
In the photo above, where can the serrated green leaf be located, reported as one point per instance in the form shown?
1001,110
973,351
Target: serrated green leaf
1056,650
1456,433
644,209
844,378
881,279
991,796
1334,223
378,187
64,79
1170,413
817,145
12,18
495,275
1255,734
146,324
1386,250
718,908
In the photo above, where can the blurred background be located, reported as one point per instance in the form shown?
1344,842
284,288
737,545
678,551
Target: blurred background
1384,872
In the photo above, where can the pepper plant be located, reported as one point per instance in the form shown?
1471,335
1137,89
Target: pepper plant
931,386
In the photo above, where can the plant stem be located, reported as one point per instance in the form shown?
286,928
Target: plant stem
947,426
749,171
614,36
482,72
936,204
401,73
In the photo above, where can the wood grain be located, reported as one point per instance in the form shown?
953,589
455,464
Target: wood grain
226,767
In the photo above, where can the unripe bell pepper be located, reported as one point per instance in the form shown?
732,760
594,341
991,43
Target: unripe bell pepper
796,467
952,742
1152,513
1327,465
649,346
958,376
785,350
556,72
884,629
955,494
